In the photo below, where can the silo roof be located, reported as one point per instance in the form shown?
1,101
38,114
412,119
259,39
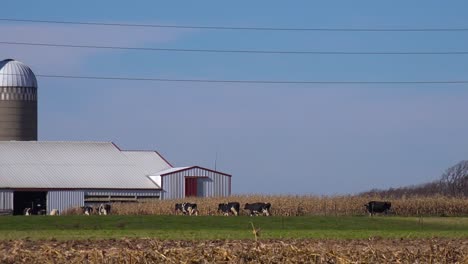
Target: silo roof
16,74
71,165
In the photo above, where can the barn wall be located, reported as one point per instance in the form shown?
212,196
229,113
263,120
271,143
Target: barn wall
212,184
6,200
63,200
94,197
123,192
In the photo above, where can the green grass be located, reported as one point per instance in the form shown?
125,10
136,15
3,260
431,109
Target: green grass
219,227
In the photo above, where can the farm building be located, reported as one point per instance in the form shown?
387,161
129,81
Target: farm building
59,175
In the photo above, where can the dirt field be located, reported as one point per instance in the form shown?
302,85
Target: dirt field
373,250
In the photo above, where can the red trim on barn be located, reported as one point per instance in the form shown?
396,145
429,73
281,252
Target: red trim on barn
195,167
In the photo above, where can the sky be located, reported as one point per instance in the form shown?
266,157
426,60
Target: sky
319,139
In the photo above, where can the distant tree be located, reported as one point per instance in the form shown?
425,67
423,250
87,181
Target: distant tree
455,179
454,182
426,189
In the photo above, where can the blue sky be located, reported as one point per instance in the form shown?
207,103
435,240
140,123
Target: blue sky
293,139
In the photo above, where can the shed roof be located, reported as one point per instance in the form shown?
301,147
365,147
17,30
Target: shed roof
171,170
180,169
86,165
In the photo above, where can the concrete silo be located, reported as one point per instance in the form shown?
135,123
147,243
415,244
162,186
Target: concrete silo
18,101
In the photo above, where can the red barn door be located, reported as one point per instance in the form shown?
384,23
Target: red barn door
190,187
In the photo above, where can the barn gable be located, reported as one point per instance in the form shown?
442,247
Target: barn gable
194,181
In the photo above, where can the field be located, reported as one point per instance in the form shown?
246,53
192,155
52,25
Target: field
220,227
236,251
307,205
304,229
207,239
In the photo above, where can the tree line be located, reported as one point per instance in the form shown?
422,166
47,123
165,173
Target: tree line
453,182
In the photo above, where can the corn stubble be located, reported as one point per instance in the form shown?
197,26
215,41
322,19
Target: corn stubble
373,250
305,205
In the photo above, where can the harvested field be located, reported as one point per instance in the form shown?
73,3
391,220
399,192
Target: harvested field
373,250
307,205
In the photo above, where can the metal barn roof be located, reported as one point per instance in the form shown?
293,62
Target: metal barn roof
170,170
150,161
76,165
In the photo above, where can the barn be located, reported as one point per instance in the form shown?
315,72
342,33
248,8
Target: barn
59,175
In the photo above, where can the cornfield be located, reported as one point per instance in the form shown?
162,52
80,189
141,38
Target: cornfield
373,250
305,205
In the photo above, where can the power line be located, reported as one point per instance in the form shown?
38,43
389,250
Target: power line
246,81
237,51
239,28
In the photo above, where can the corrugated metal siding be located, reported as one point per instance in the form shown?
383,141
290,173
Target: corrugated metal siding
63,200
123,192
6,200
215,184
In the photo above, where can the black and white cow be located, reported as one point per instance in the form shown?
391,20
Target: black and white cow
258,208
27,211
186,208
34,211
378,207
104,209
229,208
87,210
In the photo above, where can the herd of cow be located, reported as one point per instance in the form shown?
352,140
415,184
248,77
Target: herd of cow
230,208
102,209
255,209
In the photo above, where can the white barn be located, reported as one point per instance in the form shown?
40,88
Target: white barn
61,175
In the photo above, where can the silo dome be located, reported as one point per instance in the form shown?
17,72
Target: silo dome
16,74
18,101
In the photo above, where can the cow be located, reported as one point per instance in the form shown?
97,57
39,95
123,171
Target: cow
258,208
55,212
104,209
230,207
27,211
87,210
186,208
377,207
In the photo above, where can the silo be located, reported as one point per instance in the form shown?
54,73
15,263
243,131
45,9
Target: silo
18,101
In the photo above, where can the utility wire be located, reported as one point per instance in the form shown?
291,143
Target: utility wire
245,81
239,28
238,51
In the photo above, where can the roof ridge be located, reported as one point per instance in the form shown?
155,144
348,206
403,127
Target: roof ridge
53,141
